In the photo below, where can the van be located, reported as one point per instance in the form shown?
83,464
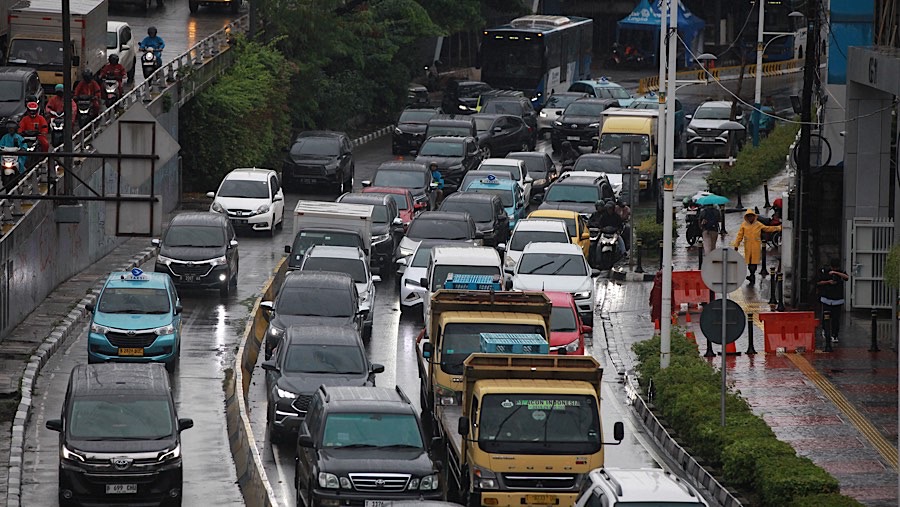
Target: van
619,123
448,260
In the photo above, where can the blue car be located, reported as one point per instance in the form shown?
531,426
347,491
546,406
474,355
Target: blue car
510,194
137,318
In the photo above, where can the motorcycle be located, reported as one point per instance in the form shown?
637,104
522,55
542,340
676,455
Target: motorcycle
149,62
10,165
31,141
773,239
692,218
111,91
57,124
607,248
85,105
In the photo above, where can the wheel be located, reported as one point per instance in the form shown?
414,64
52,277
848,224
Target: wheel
272,228
606,261
193,6
487,151
235,6
275,436
525,146
692,234
64,502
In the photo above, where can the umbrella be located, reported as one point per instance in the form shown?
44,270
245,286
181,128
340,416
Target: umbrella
700,194
713,199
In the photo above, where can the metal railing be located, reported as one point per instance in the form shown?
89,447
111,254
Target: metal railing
176,71
651,83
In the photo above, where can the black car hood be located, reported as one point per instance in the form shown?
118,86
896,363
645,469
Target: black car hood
412,128
11,109
580,207
190,253
286,321
307,383
402,461
379,229
485,226
121,447
581,120
311,159
442,162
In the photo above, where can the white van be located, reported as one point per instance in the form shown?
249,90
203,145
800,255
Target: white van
447,260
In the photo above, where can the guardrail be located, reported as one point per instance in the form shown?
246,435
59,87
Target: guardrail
38,180
651,83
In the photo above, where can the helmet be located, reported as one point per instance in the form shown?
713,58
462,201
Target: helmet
113,59
151,31
12,125
609,205
598,205
59,89
87,75
32,108
566,144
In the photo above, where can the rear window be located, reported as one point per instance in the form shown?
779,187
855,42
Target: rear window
439,229
481,212
521,239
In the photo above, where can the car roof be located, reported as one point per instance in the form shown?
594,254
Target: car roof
444,215
553,248
567,94
493,116
581,178
645,485
321,133
367,198
10,73
199,218
593,100
485,173
510,162
537,224
521,155
120,378
422,109
470,83
600,82
250,173
363,399
499,183
386,190
432,243
123,279
715,103
115,24
444,120
324,335
336,252
554,213
449,139
471,197
317,279
560,298
402,165
469,255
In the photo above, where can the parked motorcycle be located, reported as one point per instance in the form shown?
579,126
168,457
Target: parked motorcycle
149,62
85,105
111,91
10,165
57,124
607,248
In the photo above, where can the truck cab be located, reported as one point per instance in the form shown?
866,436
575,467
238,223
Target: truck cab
619,124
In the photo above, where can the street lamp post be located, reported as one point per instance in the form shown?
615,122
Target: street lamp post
665,327
760,51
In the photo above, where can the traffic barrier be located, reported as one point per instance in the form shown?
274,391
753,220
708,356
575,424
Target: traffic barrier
731,349
790,331
689,288
655,327
651,83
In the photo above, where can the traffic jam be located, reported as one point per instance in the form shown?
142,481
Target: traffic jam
495,248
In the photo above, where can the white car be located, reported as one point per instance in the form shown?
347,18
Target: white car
350,260
618,487
252,199
414,269
515,167
120,41
533,230
557,267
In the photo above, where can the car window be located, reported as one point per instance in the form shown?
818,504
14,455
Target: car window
322,146
247,189
324,359
522,238
712,113
322,302
273,181
439,148
562,320
402,179
198,236
11,91
584,109
135,300
408,116
423,255
120,417
373,430
483,124
439,229
126,35
481,212
112,40
561,101
505,194
306,239
572,193
353,267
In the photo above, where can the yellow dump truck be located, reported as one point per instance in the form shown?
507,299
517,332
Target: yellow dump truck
528,430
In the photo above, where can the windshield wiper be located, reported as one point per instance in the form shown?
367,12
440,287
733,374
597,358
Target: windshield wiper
532,271
353,446
400,446
561,266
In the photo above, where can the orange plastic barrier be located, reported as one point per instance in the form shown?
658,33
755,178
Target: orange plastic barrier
689,288
789,330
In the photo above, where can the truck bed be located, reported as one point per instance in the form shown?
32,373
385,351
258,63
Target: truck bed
449,421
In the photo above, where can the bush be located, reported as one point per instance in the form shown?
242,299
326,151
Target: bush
754,165
892,267
740,460
782,478
825,500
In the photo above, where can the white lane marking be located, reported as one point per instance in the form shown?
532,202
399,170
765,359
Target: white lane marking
282,479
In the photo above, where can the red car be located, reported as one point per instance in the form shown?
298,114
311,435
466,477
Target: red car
404,199
566,328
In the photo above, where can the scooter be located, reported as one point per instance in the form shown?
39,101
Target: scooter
31,141
149,62
10,165
57,124
111,91
607,248
85,105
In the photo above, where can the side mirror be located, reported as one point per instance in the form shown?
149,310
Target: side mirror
427,350
268,306
185,424
305,440
688,116
376,368
414,283
529,179
595,272
154,241
537,198
178,308
90,307
277,198
233,243
420,205
287,249
366,183
509,271
397,221
76,61
509,285
586,329
54,425
462,427
586,235
402,261
618,431
501,247
211,195
479,235
498,129
269,366
433,185
376,278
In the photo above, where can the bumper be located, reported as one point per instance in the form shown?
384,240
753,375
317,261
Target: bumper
284,418
510,499
261,222
578,137
215,278
585,308
152,488
410,297
328,497
407,142
308,175
382,255
163,350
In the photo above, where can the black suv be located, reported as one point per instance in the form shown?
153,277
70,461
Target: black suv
18,86
320,157
580,122
499,134
410,130
119,436
453,156
199,250
461,97
363,443
444,125
413,176
387,228
578,191
487,210
311,298
517,106
309,357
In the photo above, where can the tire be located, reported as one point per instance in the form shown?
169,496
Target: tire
194,6
605,262
64,502
487,151
275,436
525,146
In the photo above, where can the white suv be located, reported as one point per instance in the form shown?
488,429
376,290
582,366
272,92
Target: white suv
251,198
531,230
558,267
612,487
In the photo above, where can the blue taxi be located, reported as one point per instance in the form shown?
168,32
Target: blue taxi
509,192
137,318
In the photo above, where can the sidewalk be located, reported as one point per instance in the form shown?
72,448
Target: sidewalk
19,345
839,408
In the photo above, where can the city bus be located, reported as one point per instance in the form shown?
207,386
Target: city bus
537,54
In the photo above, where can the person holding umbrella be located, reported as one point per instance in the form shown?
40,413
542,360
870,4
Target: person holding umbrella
751,234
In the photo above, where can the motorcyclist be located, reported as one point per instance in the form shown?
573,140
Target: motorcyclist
569,154
88,87
438,178
56,104
155,43
11,139
34,122
114,70
606,216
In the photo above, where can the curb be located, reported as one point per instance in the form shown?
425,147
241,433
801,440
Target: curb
372,136
623,275
57,338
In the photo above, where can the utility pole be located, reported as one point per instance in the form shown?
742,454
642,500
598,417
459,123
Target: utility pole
68,180
804,219
665,325
757,92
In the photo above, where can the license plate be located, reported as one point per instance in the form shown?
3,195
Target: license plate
190,278
307,181
121,489
573,138
131,351
540,499
708,139
378,503
239,221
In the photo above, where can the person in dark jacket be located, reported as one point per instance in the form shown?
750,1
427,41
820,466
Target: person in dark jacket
830,286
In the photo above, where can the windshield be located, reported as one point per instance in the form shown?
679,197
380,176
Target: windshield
439,229
323,359
10,91
441,149
316,146
562,320
416,116
560,101
35,53
712,113
375,430
573,193
400,200
196,236
440,130
515,55
521,238
534,166
513,170
612,143
248,189
112,42
612,92
478,175
482,212
353,267
402,179
571,226
538,424
120,417
502,107
598,164
320,302
552,264
505,194
442,271
140,300
461,339
584,109
306,239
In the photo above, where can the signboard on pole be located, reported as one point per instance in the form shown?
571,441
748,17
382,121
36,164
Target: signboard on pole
711,321
723,266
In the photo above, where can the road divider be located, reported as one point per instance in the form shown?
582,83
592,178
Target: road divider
651,83
251,475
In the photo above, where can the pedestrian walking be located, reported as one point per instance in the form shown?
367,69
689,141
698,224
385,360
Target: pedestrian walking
750,233
710,218
830,286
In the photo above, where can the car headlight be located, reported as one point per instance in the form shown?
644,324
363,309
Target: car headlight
69,454
691,131
263,209
219,261
582,295
218,208
573,345
275,332
484,478
97,328
594,125
429,483
557,123
542,114
162,259
164,330
328,481
173,454
380,238
509,262
463,108
398,131
285,394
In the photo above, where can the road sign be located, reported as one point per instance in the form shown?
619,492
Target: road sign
723,264
711,321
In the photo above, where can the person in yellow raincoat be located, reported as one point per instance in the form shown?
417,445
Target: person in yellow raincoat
751,234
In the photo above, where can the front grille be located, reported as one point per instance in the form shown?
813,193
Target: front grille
301,404
125,340
540,481
308,170
179,269
239,213
708,132
379,482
